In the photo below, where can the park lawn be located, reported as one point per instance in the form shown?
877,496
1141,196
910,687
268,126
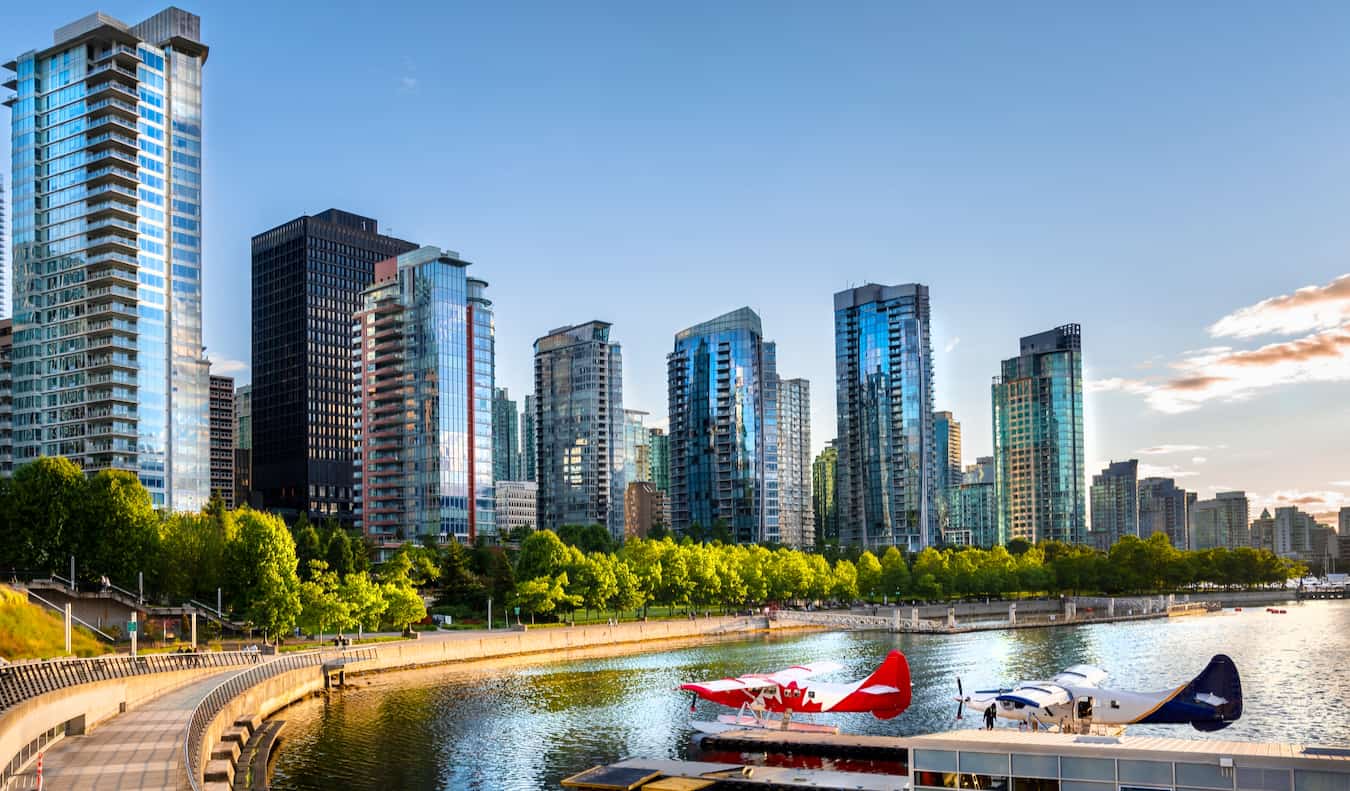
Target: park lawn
27,631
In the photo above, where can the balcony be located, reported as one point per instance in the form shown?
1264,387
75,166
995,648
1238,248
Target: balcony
114,175
111,106
112,140
111,89
119,53
111,208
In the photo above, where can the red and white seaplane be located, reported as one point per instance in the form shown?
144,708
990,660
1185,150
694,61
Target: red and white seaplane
758,696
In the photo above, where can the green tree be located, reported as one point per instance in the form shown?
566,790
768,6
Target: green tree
364,599
402,605
261,572
628,593
118,533
869,576
894,573
845,579
321,605
459,584
338,551
587,538
308,545
542,554
40,533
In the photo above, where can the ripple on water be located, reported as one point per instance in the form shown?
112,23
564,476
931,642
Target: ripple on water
522,728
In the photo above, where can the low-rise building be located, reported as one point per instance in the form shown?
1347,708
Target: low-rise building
516,504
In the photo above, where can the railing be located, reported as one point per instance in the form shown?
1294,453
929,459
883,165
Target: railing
21,681
73,617
232,687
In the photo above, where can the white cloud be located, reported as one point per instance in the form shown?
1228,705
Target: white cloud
1161,450
1321,504
1307,309
227,367
1135,386
1341,483
1164,471
952,344
1198,460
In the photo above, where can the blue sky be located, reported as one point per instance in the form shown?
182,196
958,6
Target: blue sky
1144,169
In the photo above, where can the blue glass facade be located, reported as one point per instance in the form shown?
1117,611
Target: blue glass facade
723,392
886,482
1038,439
106,155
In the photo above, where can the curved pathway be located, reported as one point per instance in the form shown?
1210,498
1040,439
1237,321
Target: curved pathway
141,749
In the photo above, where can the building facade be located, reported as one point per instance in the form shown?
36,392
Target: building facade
222,439
972,507
106,254
1220,522
1115,503
723,401
423,365
308,278
887,476
659,455
823,501
243,446
578,403
4,251
505,438
1038,439
642,509
1164,508
637,462
947,446
6,399
516,502
527,440
796,511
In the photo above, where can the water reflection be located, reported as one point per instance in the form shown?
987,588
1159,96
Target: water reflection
524,726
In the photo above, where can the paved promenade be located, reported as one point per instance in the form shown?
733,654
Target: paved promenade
141,749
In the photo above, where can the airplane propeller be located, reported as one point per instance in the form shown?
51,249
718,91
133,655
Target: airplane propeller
960,698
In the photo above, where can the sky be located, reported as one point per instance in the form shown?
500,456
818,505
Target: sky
1172,176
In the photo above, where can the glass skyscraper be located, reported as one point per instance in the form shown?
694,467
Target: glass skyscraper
528,461
796,516
887,477
823,494
723,398
505,437
1164,508
1038,439
579,420
106,152
1115,503
423,361
659,455
637,462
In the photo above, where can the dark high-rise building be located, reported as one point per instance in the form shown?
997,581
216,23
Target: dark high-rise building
505,437
527,440
660,458
222,439
1115,503
822,495
308,275
4,269
1164,508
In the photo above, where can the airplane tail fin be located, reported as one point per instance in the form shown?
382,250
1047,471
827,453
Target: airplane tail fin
1219,679
894,672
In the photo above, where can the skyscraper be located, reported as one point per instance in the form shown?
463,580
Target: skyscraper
578,412
723,384
527,440
947,446
243,445
1164,508
1220,522
505,437
423,363
887,481
106,152
308,275
660,458
823,495
1038,439
1343,522
1115,503
222,439
637,463
6,399
796,514
4,247
972,510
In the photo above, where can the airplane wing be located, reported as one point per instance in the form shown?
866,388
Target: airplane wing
1037,696
744,683
1080,676
799,672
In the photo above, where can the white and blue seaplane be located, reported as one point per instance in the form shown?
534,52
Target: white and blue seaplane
1073,701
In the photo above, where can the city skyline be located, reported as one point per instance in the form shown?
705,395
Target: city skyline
1158,387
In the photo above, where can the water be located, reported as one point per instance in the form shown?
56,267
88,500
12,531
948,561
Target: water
527,726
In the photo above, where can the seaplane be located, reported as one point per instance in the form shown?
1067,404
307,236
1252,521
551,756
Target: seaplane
1073,701
759,696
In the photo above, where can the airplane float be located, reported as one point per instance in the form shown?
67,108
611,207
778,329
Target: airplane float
884,694
1074,700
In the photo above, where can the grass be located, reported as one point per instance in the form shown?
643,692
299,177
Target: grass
28,631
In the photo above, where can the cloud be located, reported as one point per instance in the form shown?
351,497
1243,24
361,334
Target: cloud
1322,505
952,344
1198,460
407,84
1341,483
1162,450
1164,471
227,367
1135,386
1307,309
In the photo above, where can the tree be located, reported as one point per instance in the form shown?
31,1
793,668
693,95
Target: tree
542,595
117,527
308,546
587,538
845,580
644,560
364,599
338,552
37,514
403,606
542,554
1018,546
628,593
894,573
261,572
869,576
459,585
321,605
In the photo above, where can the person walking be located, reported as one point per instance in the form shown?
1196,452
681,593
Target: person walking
989,715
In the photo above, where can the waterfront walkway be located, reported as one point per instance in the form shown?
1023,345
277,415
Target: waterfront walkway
141,749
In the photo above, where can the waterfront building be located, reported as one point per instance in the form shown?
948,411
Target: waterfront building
823,501
1343,521
1291,536
1324,548
516,503
222,439
1220,522
642,509
972,507
527,440
1164,508
723,397
106,253
423,365
637,465
796,515
659,455
1038,439
1262,532
578,412
505,438
6,398
947,446
1115,503
308,277
243,445
887,478
4,247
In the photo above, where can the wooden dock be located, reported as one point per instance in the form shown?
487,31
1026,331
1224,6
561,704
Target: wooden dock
735,776
844,745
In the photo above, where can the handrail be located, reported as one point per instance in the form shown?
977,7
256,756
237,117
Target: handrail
74,618
21,681
214,701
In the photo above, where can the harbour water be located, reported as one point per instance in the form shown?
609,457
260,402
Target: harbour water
527,726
